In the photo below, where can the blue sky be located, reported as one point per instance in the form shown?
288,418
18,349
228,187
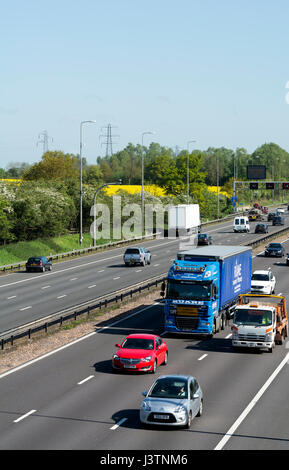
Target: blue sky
204,70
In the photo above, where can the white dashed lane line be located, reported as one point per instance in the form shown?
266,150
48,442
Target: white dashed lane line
25,308
61,296
24,416
118,424
85,380
202,357
11,297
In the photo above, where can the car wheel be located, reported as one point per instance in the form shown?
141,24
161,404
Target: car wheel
154,367
149,261
200,412
189,421
166,359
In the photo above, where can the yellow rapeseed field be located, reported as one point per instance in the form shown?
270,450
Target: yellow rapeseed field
214,189
153,189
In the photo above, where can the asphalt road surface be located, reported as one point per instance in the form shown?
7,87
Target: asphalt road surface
72,399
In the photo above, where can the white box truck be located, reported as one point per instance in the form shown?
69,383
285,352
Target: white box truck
184,219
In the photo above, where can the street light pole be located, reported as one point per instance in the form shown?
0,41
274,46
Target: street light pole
188,169
80,185
142,176
94,208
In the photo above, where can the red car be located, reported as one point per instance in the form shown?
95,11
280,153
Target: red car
140,352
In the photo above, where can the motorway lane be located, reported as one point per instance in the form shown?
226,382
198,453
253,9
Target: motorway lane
70,416
27,297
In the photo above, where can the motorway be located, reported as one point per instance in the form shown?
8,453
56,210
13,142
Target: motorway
71,399
26,297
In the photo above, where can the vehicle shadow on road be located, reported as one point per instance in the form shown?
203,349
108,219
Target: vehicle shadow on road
132,421
221,345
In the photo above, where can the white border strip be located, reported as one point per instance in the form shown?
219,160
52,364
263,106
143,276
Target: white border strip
251,405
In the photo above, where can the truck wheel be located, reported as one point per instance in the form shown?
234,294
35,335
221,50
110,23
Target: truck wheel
223,322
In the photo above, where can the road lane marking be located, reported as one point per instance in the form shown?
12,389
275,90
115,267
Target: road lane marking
228,336
61,296
78,340
25,308
45,287
24,416
100,271
118,424
202,357
93,285
11,297
251,405
115,278
85,380
74,279
83,265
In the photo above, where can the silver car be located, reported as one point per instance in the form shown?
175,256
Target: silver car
137,255
172,400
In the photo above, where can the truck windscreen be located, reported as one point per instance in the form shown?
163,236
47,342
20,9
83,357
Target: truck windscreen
252,317
189,290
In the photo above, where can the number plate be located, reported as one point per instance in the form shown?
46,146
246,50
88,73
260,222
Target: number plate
161,416
129,366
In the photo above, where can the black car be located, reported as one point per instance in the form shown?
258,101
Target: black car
278,220
261,228
271,216
38,263
274,249
204,239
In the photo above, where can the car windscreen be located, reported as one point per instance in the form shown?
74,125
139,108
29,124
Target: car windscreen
260,277
275,245
169,388
132,251
138,343
34,260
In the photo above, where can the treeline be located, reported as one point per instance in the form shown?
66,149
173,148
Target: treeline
46,201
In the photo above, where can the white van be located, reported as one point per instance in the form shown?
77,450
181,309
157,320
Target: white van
241,224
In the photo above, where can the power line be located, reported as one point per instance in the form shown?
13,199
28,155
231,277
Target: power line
108,139
44,141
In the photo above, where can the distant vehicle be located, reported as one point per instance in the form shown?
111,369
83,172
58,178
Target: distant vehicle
255,214
261,228
137,255
38,263
265,210
257,206
140,353
278,220
274,249
271,216
263,281
241,224
184,219
204,239
172,400
280,210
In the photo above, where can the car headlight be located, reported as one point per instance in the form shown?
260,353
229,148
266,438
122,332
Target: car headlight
147,359
269,336
180,409
146,406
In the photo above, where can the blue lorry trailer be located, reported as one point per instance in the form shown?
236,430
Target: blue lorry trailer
202,288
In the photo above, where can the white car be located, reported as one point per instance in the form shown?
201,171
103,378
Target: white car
263,282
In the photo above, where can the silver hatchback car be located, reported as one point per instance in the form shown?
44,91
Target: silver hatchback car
172,400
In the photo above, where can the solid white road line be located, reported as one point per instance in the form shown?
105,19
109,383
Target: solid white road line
24,416
85,380
118,424
251,405
33,361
